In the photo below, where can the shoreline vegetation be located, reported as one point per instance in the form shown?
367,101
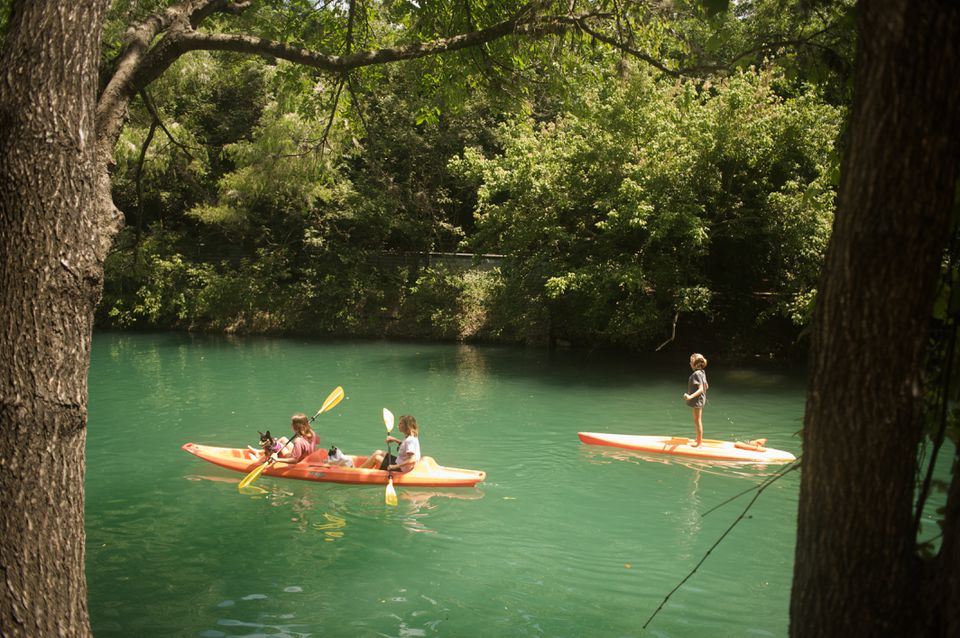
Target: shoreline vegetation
628,212
446,298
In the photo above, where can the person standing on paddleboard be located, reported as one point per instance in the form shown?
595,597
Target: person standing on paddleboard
696,395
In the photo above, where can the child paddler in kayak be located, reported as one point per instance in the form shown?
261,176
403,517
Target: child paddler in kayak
408,454
696,394
303,443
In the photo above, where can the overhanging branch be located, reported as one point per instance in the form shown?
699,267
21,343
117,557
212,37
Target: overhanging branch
194,41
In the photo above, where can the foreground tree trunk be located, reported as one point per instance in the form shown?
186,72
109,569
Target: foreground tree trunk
50,281
857,572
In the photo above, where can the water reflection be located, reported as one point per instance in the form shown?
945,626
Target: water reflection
471,373
416,504
691,520
332,529
600,455
282,630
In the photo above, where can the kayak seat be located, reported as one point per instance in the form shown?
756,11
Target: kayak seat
317,456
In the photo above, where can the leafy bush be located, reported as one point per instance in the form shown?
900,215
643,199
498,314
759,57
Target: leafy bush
655,199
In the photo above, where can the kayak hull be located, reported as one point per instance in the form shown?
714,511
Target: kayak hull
680,446
314,468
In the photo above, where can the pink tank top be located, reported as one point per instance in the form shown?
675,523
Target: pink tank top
303,447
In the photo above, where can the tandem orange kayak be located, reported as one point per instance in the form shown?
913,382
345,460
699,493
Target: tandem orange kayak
426,473
709,450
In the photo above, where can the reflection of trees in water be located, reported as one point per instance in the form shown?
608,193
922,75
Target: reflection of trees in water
472,373
758,490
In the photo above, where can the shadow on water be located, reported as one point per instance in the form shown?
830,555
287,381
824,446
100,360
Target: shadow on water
570,368
561,367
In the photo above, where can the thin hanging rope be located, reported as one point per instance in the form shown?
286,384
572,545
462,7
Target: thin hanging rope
743,514
776,476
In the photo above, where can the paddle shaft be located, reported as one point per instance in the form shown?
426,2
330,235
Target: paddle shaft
390,495
332,399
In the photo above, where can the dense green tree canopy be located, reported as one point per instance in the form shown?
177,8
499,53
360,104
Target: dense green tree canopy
589,166
642,202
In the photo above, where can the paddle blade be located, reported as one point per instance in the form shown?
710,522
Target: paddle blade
388,420
252,476
331,401
391,496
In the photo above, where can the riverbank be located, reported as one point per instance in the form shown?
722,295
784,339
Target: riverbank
441,302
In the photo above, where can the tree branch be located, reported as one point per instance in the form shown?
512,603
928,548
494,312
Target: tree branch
123,84
207,8
181,39
673,333
773,45
762,485
139,181
743,515
649,59
159,122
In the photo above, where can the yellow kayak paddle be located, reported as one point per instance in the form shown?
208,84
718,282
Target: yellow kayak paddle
391,495
332,400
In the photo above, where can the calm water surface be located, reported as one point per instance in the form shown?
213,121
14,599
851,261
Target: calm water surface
562,539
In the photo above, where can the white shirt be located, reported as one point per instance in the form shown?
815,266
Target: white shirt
409,451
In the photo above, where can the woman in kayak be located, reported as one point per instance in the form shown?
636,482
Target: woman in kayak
303,443
407,455
696,395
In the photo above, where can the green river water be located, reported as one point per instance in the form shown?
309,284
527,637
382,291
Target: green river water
563,539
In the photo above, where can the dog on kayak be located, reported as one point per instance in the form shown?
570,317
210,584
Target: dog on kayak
336,457
268,444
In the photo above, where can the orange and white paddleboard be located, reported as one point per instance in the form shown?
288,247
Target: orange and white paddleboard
709,449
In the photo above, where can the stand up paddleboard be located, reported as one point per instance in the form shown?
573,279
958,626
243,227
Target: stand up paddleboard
709,449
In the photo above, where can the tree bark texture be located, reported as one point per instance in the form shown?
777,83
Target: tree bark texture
50,281
856,571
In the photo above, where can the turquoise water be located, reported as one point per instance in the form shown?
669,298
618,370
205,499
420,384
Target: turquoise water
562,539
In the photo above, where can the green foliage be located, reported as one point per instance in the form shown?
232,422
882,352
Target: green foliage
276,182
620,199
813,41
431,304
6,6
645,205
151,286
452,304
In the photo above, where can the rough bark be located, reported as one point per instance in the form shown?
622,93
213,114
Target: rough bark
856,571
50,280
